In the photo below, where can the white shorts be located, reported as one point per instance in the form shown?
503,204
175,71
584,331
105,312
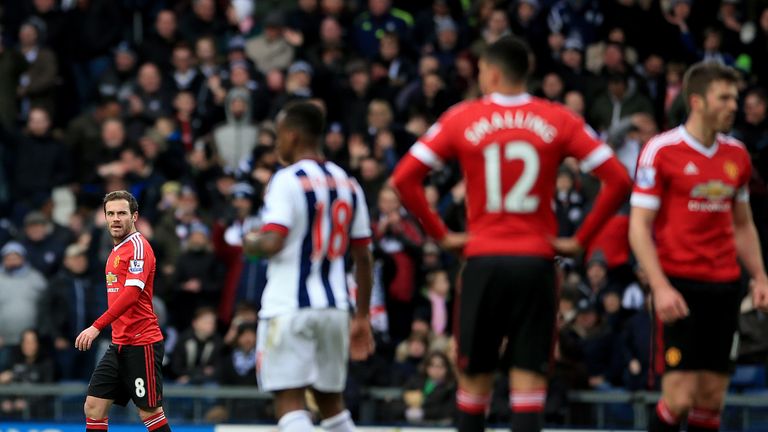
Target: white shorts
304,348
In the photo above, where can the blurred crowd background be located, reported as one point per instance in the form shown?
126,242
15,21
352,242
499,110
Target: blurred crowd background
175,101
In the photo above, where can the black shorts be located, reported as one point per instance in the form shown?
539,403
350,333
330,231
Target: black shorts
506,298
130,372
707,339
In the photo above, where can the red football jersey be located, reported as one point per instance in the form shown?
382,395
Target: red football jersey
693,188
132,264
511,147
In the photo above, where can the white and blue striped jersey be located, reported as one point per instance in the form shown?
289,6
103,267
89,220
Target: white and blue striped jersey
321,210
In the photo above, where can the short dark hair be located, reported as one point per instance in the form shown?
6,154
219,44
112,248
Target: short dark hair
306,118
511,55
133,205
698,78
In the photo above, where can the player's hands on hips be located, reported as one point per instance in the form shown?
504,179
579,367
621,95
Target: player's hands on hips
566,246
361,343
86,337
669,304
759,289
454,241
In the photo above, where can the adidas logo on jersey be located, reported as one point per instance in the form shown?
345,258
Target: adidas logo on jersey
691,169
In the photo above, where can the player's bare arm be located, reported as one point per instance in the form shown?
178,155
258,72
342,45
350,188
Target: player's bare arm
361,343
263,243
748,249
667,301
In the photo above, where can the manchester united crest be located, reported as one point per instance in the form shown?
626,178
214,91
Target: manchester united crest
731,170
116,261
673,356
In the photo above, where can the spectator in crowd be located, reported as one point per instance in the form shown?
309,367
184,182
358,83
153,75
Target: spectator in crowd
40,162
76,298
36,87
21,290
12,66
117,79
196,357
197,281
29,365
202,19
157,47
380,16
617,102
236,138
430,397
45,250
398,239
270,50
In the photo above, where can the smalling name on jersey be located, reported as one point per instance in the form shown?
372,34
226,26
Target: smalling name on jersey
510,120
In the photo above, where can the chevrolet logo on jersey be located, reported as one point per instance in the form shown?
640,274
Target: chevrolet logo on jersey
713,190
111,278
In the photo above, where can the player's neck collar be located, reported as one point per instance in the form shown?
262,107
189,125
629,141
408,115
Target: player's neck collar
696,145
127,238
508,99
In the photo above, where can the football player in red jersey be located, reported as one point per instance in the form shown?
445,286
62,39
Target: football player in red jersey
690,223
131,367
510,146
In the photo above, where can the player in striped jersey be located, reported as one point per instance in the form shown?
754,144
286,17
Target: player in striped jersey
313,213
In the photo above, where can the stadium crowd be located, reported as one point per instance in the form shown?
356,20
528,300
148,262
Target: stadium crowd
175,101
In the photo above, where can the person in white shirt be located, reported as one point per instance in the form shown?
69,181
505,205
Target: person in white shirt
313,215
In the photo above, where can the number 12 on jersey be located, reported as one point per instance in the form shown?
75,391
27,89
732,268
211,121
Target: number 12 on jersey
517,198
338,240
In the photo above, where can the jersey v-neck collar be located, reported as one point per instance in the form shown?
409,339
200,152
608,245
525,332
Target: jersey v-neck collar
136,234
697,145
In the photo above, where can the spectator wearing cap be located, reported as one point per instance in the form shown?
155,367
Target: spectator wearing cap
298,86
446,44
380,16
245,277
270,50
44,250
425,21
198,276
570,67
116,81
202,19
38,162
37,85
21,289
76,298
158,44
235,139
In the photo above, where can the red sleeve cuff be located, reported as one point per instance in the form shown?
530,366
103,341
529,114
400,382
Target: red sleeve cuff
273,227
365,241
